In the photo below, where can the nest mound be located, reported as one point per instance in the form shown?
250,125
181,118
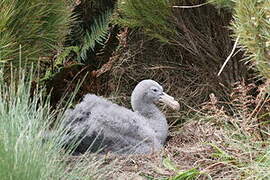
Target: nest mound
188,149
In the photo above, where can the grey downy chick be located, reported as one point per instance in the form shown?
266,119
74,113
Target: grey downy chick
100,125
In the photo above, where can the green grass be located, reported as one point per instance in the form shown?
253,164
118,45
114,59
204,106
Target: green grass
152,16
223,3
24,117
181,175
248,155
38,26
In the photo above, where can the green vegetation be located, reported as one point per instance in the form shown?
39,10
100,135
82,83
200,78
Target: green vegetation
252,25
98,33
152,16
226,138
223,3
24,154
92,29
181,175
244,148
39,27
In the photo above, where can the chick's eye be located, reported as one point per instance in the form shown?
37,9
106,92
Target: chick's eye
155,90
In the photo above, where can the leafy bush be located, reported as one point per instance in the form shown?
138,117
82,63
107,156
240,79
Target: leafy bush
223,3
38,26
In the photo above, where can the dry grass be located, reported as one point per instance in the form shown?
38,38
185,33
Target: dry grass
177,70
220,144
188,148
148,59
191,58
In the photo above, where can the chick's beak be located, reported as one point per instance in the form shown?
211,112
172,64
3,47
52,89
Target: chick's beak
169,100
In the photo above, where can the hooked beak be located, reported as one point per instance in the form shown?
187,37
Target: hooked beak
169,100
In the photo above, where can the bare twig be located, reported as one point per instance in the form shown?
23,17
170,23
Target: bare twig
229,57
194,6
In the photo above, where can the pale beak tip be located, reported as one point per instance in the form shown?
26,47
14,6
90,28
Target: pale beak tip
175,106
169,100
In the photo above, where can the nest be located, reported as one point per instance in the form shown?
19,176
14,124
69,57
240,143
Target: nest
188,149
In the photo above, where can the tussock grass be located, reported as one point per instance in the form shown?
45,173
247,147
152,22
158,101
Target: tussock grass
24,154
251,25
38,26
